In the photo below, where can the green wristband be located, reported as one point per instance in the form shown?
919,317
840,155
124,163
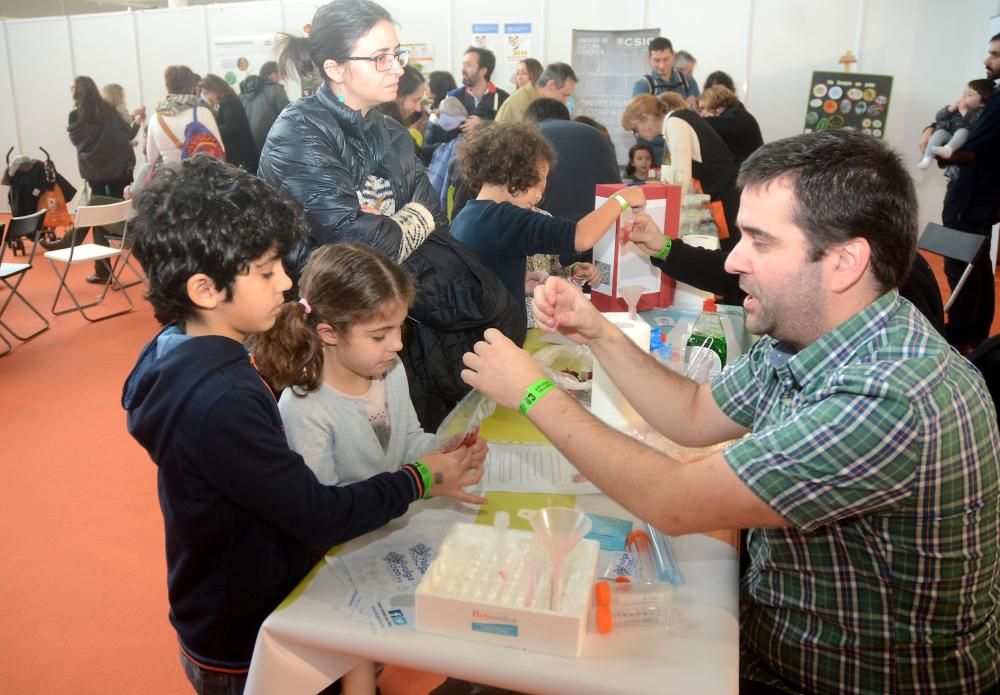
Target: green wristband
425,475
662,253
534,393
620,199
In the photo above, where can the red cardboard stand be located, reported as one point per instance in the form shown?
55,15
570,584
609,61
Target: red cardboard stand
618,269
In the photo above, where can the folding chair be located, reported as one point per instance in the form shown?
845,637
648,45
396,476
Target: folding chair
19,227
951,243
88,216
114,235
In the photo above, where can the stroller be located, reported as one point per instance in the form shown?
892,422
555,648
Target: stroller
36,185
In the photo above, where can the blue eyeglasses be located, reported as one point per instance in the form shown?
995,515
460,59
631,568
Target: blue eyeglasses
384,62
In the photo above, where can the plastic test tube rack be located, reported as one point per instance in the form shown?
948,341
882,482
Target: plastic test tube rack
493,585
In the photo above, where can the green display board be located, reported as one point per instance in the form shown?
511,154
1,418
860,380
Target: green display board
848,100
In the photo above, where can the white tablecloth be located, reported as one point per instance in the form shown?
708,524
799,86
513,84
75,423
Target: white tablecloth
308,642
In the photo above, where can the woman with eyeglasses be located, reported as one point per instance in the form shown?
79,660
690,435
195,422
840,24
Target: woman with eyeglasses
355,175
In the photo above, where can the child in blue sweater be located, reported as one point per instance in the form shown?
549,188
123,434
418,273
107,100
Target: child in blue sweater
508,164
244,518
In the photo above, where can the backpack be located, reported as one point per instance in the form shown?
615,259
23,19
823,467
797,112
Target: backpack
669,86
198,139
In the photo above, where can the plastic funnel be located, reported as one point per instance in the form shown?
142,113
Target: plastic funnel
558,529
631,295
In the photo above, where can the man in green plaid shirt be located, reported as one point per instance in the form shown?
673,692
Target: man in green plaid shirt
867,460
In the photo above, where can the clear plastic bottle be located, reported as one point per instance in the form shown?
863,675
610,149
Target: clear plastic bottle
706,348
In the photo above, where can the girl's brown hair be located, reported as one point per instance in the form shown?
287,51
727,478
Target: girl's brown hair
344,284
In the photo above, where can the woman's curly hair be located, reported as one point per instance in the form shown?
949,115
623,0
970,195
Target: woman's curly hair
507,154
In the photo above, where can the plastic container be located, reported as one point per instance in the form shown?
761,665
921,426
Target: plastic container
623,592
652,617
706,350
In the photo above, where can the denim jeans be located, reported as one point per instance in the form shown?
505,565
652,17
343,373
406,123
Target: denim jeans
206,682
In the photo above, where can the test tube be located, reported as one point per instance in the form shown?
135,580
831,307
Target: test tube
640,547
611,615
501,522
666,564
623,592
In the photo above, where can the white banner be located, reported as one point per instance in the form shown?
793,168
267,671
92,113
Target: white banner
234,58
516,47
608,63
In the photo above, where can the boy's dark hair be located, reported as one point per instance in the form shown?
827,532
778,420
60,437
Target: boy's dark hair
206,217
486,59
546,109
846,186
984,87
719,77
660,43
505,154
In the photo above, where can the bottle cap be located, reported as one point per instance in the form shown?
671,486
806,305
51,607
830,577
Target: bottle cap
709,305
602,594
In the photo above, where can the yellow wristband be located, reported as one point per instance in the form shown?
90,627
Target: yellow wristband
620,199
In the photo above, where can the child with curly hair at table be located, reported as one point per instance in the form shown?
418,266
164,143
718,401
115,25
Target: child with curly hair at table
508,164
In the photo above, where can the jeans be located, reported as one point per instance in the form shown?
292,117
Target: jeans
206,682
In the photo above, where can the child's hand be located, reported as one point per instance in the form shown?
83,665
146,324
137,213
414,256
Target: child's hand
647,235
455,470
633,195
587,272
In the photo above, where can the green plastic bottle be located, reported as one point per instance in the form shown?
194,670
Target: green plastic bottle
706,351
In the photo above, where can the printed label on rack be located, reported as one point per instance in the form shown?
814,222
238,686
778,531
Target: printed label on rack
495,629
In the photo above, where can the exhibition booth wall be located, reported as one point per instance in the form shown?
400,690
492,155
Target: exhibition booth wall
770,48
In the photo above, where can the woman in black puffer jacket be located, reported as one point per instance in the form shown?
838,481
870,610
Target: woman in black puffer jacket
355,175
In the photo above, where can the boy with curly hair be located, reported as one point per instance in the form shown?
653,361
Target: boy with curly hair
244,517
508,164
